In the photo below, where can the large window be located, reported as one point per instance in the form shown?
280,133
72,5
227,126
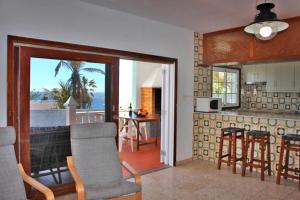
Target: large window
226,85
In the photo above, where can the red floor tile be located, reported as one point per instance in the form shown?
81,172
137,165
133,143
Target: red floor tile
146,159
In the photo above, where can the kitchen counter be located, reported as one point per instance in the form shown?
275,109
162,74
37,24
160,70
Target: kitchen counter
207,130
258,113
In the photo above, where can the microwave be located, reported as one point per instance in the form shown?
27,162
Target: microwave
208,104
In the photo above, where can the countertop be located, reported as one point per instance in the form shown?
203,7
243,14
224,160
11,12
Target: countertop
259,113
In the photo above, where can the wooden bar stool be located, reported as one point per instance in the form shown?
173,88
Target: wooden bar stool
263,139
289,142
231,134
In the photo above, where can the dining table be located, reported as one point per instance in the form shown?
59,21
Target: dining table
136,120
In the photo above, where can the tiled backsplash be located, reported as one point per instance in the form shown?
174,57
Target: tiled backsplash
272,101
202,75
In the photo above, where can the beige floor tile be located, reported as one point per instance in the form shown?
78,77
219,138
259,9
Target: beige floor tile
200,180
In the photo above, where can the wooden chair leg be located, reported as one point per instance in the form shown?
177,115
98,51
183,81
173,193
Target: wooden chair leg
131,143
269,155
138,196
234,154
229,150
243,148
252,153
220,149
121,140
262,160
245,155
286,162
279,172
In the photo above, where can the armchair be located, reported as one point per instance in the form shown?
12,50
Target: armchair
96,167
12,174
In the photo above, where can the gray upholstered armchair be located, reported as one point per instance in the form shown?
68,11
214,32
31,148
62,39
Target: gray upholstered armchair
95,164
11,173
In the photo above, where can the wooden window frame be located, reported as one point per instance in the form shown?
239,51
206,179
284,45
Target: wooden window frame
239,85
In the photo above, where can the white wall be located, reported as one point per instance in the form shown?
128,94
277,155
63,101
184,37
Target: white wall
81,23
147,75
125,83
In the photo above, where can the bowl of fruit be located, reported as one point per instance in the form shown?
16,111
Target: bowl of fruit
140,112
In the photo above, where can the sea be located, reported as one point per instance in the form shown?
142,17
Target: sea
98,101
97,104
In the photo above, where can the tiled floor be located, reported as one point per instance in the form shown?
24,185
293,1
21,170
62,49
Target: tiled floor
144,160
200,180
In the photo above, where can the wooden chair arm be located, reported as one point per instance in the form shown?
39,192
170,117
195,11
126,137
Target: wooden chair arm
35,184
121,157
137,177
78,182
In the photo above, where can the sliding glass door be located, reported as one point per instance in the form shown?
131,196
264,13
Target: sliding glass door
56,89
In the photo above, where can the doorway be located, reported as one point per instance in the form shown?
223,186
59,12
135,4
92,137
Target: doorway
145,115
54,90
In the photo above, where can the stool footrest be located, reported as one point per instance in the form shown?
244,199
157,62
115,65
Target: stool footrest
257,160
293,170
292,148
291,176
223,156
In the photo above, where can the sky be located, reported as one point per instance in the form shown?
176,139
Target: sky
42,73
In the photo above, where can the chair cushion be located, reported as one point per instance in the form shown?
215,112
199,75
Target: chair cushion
233,129
93,130
11,184
7,136
97,192
291,137
95,157
258,133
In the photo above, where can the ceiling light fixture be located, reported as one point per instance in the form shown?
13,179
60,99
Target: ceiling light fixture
266,25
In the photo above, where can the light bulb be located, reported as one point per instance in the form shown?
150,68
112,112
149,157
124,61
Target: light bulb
265,31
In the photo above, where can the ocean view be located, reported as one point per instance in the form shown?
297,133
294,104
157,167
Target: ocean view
98,101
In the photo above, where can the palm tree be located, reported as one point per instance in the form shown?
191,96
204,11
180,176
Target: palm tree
88,95
75,81
60,95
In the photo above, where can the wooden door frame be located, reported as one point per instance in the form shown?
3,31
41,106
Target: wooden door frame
12,74
23,72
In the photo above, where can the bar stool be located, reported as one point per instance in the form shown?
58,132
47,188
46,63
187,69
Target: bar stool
231,134
289,142
263,139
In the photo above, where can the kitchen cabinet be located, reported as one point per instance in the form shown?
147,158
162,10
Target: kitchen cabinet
280,77
271,77
297,76
254,73
248,73
285,77
234,45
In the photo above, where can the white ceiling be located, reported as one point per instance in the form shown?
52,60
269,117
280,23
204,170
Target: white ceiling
199,15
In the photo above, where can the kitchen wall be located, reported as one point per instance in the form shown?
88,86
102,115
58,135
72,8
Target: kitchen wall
202,85
77,22
269,101
202,74
207,131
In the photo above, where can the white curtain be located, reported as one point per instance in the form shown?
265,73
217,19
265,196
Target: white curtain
167,114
